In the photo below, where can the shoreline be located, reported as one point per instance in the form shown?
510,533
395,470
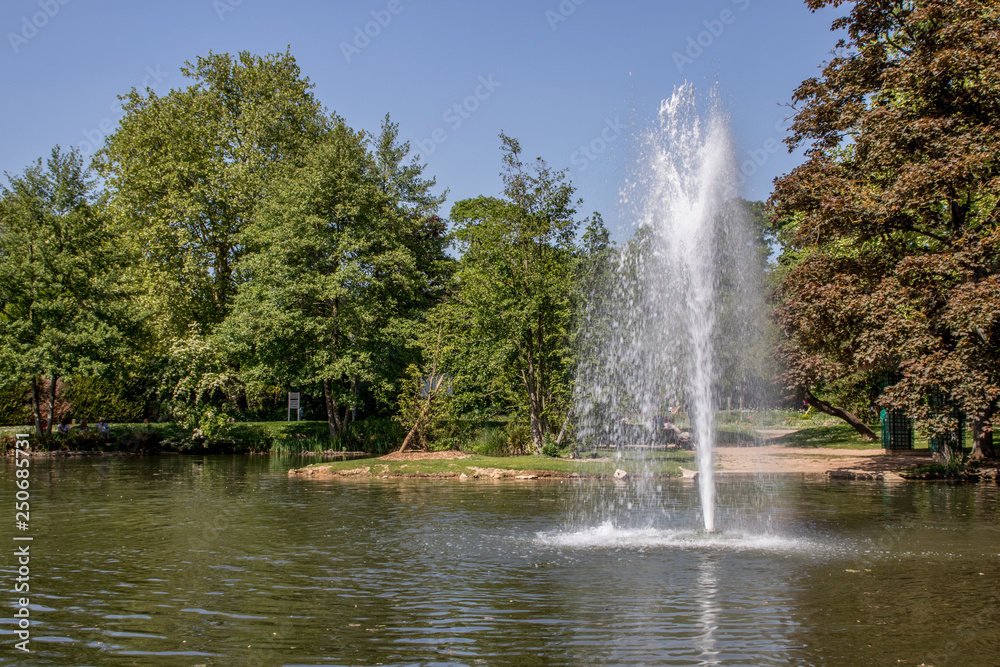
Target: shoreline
730,462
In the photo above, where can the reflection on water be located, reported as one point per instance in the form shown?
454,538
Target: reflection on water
225,561
705,593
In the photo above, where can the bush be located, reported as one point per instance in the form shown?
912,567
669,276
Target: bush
514,440
15,405
7,444
374,436
519,439
550,449
490,441
81,441
91,398
140,441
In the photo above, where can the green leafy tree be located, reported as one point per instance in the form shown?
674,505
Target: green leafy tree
330,274
188,171
64,312
892,221
516,281
424,234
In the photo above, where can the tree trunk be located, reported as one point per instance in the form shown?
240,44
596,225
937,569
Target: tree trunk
982,438
534,411
562,431
36,408
534,408
841,413
422,418
332,413
52,404
354,400
537,434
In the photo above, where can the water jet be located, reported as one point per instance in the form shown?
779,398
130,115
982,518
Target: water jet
683,292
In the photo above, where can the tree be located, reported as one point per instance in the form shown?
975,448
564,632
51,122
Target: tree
516,280
424,233
329,274
892,221
188,171
64,312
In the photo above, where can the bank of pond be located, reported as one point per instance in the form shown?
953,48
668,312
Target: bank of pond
485,450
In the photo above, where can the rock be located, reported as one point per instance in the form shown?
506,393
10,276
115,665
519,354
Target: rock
463,477
621,475
526,477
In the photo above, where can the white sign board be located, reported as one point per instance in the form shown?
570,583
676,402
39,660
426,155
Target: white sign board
293,404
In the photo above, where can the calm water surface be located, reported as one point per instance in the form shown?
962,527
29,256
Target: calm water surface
225,561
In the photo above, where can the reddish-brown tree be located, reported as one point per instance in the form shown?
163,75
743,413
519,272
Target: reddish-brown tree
891,224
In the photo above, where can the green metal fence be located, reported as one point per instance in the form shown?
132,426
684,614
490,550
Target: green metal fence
897,430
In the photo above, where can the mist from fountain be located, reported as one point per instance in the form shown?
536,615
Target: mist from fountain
682,299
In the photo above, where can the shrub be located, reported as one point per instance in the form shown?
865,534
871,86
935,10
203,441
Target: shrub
514,440
91,398
81,441
519,439
374,436
490,441
140,441
15,405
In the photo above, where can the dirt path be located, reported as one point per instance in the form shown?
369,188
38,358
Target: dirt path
781,459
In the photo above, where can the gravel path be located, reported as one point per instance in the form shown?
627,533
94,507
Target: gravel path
781,459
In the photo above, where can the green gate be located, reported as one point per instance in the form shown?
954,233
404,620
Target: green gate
897,428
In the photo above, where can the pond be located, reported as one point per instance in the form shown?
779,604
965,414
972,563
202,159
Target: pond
226,561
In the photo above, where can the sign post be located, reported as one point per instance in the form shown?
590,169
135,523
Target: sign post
293,404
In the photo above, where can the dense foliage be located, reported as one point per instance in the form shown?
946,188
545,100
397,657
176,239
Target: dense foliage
64,312
517,282
891,224
248,242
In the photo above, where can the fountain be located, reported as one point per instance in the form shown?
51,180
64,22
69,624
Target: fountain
682,297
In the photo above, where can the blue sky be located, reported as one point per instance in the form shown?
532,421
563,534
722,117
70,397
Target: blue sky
573,80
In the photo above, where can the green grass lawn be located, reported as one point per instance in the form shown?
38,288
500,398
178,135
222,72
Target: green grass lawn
666,465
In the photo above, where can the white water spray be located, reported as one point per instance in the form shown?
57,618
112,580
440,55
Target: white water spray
654,337
688,184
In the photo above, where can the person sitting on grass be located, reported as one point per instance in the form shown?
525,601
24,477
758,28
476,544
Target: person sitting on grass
63,428
103,428
83,428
